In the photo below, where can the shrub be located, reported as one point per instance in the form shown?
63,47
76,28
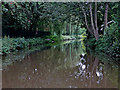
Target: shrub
51,39
108,43
15,44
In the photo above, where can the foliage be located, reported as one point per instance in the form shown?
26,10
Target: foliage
67,37
82,31
109,43
38,16
58,19
24,15
15,44
90,42
51,39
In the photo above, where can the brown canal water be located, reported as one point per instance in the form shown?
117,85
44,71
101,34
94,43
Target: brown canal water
62,66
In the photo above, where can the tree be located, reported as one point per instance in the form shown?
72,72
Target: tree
105,16
92,23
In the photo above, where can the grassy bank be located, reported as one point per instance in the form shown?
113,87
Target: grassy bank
15,44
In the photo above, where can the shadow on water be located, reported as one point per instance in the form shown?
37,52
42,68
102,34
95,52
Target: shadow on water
62,66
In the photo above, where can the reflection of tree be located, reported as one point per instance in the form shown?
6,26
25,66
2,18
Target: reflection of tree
90,69
70,53
81,68
99,73
58,65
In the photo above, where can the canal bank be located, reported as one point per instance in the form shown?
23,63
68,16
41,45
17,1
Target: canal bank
61,66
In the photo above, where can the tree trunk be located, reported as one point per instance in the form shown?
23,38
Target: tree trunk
105,16
96,27
92,24
86,23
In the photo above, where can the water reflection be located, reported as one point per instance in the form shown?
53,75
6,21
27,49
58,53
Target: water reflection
90,70
66,65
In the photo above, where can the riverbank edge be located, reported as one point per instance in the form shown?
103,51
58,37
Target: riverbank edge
13,57
10,45
94,45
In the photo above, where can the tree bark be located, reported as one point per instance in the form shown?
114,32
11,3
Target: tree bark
86,23
105,16
96,27
92,23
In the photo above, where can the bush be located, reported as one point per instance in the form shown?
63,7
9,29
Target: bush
91,42
15,44
108,43
51,39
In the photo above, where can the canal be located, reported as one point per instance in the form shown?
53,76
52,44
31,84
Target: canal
67,65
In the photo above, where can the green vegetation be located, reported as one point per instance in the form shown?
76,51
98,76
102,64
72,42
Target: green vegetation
16,44
47,23
109,40
109,43
54,38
